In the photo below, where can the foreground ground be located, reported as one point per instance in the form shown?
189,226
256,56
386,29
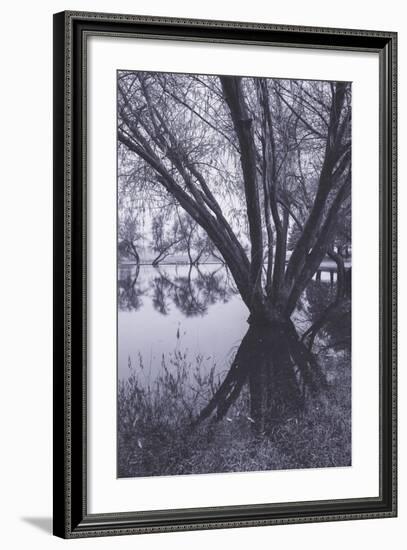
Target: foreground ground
155,438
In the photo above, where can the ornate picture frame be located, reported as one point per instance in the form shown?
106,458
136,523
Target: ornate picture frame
72,515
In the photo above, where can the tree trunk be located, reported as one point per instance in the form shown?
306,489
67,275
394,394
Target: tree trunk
280,372
275,391
161,257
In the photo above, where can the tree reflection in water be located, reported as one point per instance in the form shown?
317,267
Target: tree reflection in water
272,347
333,328
129,290
193,290
192,293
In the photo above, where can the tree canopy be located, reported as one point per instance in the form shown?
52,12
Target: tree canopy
251,161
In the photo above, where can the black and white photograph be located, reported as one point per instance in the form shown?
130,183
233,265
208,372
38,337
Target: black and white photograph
234,259
201,217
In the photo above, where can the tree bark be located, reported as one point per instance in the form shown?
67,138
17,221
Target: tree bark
280,370
232,88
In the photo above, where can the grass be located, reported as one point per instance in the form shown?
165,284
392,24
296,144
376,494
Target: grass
155,438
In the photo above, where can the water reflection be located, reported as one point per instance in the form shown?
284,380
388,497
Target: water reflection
191,293
336,328
191,289
129,291
198,309
161,310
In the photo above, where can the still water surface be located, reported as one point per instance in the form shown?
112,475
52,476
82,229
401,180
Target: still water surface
176,307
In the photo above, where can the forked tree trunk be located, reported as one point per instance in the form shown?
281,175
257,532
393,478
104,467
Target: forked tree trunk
279,369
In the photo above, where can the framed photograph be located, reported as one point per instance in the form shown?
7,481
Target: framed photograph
225,274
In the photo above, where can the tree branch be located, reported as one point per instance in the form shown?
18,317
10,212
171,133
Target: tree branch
315,257
325,185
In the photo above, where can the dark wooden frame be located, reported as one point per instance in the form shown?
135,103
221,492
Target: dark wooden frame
71,518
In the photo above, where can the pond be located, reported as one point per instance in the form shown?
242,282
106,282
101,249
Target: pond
177,307
196,310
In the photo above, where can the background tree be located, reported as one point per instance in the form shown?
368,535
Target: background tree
164,239
129,238
194,240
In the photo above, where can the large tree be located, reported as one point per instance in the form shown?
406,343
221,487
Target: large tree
249,160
